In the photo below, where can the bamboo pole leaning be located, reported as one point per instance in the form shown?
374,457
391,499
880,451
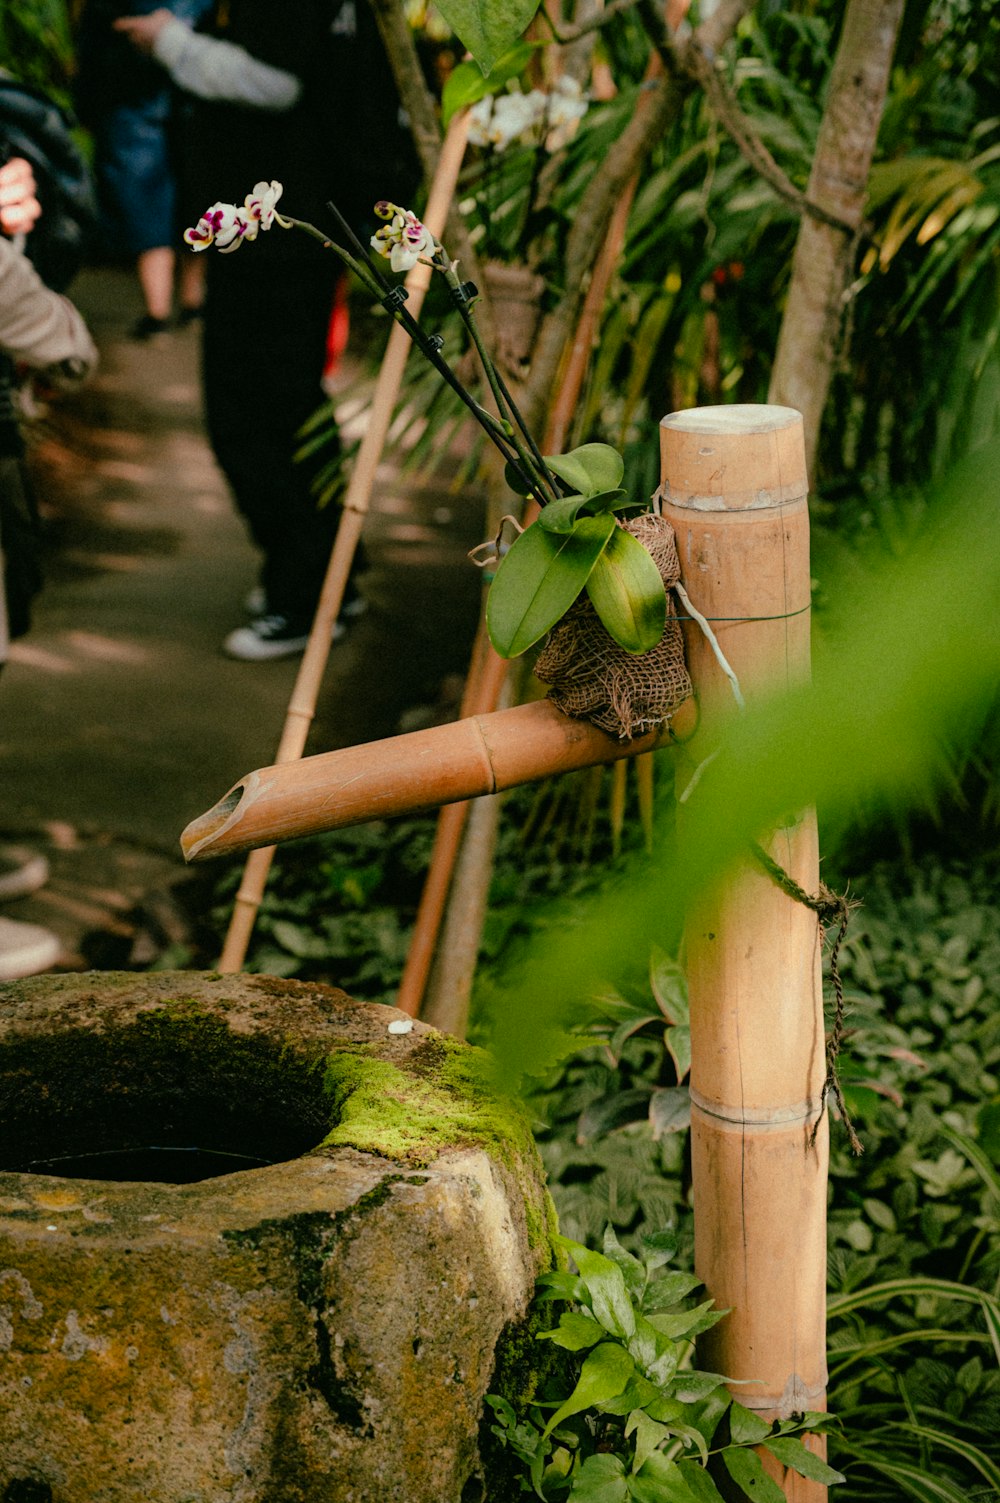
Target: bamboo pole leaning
302,705
734,489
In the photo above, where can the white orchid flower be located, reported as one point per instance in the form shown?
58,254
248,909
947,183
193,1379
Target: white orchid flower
404,240
498,121
260,205
567,103
226,226
223,225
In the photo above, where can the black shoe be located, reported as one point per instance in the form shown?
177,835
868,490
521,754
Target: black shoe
188,316
148,327
268,637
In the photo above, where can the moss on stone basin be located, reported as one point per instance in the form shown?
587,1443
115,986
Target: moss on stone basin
323,1327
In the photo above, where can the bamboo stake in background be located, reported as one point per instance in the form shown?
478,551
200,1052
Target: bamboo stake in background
302,705
734,486
449,990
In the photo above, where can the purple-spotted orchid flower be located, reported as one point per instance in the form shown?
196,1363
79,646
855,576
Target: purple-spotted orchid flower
260,205
226,226
403,238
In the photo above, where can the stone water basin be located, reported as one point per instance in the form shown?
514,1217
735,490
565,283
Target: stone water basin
253,1245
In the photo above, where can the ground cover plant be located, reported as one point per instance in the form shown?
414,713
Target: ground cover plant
914,1251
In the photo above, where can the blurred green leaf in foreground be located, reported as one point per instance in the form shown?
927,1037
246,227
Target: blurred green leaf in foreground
905,672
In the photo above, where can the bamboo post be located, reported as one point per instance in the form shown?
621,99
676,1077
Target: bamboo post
734,488
302,705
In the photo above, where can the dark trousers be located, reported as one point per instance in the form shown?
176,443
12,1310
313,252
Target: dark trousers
264,345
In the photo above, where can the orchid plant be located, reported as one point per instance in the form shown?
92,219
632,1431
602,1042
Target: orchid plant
576,542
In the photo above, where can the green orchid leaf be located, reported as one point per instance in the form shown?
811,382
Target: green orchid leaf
610,500
574,1332
699,1483
561,515
745,1427
606,1372
601,1479
747,1471
627,593
591,469
539,579
609,1298
514,478
791,1452
467,83
488,28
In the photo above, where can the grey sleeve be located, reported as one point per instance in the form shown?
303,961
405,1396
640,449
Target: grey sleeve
212,68
37,325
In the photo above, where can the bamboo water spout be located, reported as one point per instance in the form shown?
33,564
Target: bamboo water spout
410,774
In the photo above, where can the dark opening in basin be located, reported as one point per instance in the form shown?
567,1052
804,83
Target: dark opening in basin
172,1098
165,1166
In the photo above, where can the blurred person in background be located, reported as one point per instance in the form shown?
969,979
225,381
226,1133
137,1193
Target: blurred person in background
137,122
40,329
300,93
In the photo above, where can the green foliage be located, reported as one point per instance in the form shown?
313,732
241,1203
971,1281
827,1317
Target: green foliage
639,1422
487,28
338,908
467,84
35,45
914,1321
915,1224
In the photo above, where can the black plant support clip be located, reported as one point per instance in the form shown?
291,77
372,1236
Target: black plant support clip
395,297
464,293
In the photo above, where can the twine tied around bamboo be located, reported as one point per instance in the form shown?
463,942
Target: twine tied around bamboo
831,909
593,678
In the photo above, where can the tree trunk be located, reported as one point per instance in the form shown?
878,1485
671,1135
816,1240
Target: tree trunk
824,255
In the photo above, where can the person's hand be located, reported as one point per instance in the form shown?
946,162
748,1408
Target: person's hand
19,207
142,31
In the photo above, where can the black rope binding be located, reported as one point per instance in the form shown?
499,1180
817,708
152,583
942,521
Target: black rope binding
831,909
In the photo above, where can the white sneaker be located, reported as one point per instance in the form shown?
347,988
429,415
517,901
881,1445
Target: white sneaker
255,601
268,637
26,949
279,636
21,872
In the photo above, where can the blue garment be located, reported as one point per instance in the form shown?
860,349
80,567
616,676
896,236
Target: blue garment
130,108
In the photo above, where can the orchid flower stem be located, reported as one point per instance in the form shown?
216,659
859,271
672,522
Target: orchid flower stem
531,454
372,279
530,462
505,406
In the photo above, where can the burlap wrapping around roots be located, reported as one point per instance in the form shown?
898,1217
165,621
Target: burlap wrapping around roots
593,678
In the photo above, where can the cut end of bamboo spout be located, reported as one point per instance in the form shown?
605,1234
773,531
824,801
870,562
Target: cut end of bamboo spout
204,830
